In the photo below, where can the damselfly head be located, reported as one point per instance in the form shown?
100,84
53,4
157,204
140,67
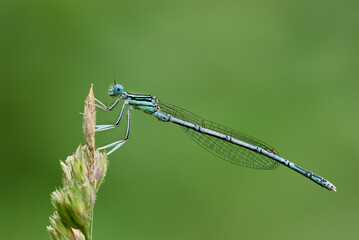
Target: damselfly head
116,90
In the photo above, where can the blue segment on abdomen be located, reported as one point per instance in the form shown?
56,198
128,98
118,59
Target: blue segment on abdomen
162,116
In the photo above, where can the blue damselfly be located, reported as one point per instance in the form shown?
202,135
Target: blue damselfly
226,143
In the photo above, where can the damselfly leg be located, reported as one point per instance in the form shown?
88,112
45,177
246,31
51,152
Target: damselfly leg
118,144
104,107
100,128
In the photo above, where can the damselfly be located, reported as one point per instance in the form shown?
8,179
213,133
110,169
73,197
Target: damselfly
224,142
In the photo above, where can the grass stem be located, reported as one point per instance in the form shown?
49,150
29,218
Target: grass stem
83,173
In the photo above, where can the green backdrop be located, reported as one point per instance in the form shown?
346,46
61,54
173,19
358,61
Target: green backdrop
285,72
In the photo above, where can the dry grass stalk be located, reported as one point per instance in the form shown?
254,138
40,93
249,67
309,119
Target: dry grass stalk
83,173
89,122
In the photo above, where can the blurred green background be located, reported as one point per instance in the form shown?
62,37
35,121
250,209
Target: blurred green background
285,72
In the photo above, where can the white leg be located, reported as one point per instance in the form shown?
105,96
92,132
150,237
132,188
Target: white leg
104,107
118,144
100,128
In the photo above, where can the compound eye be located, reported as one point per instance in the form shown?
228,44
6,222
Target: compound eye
118,89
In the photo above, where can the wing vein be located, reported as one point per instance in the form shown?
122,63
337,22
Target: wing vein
228,151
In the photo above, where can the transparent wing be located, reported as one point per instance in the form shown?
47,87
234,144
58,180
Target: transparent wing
223,149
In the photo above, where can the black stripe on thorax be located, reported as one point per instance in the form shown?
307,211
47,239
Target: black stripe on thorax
140,97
